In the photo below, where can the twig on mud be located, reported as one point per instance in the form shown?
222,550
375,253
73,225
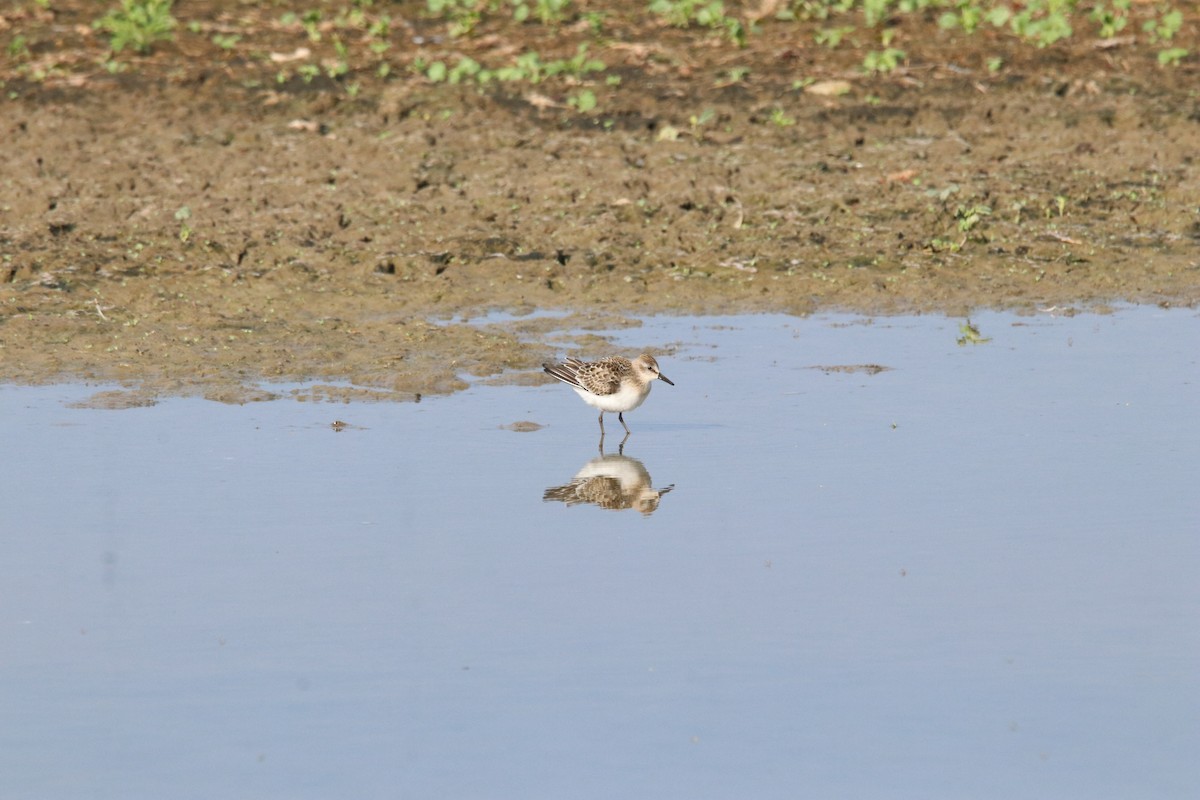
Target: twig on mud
99,310
1061,237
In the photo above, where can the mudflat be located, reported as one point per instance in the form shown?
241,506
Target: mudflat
268,196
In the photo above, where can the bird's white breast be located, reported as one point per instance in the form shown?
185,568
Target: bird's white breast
627,398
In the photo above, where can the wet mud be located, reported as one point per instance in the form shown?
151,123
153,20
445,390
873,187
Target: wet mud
191,225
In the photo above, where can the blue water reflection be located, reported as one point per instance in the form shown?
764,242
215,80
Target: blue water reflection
613,481
972,574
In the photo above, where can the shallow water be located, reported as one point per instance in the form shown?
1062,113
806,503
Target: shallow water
972,574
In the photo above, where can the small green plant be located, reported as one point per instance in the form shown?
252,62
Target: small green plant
439,72
781,119
939,245
583,102
943,194
1043,22
970,216
429,70
1164,28
311,20
1057,206
818,9
546,11
340,66
18,47
1111,19
705,13
1018,208
1172,56
528,68
832,37
578,65
226,41
966,16
463,15
138,24
969,334
380,28
881,61
595,21
698,121
682,13
736,75
182,216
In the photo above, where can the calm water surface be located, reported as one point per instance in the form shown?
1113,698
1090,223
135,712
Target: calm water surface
972,574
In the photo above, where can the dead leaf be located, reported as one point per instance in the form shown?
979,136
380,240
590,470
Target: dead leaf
541,101
767,8
903,176
829,88
298,54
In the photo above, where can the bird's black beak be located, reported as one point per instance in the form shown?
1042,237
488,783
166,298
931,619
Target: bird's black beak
662,377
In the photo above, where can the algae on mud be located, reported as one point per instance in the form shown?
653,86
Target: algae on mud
326,232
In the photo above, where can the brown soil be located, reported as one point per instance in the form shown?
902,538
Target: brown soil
342,228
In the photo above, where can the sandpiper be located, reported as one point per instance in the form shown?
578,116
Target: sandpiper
610,384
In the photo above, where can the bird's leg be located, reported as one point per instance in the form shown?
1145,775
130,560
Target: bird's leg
621,446
621,416
601,424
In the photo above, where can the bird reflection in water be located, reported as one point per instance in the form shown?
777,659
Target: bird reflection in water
615,482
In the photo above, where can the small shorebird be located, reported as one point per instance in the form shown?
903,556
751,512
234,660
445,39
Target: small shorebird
610,384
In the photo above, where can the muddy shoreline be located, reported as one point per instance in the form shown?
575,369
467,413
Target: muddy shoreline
178,233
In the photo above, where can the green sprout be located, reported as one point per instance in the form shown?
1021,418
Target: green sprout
883,61
1172,56
138,24
182,216
584,102
781,119
970,216
832,37
970,334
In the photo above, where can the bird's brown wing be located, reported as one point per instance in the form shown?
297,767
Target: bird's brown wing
567,372
599,378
